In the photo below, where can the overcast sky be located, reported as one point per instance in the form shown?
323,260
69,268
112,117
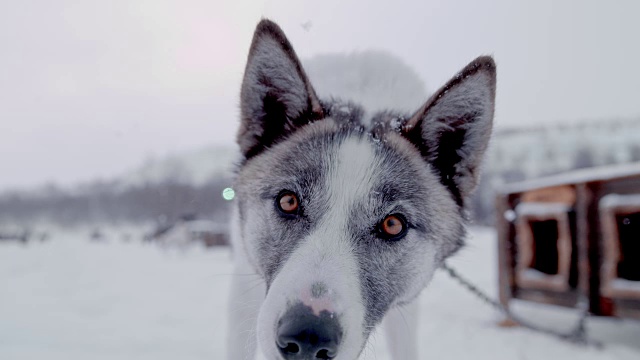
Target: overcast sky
91,88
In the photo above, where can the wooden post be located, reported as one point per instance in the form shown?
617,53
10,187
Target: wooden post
594,251
505,270
588,231
582,242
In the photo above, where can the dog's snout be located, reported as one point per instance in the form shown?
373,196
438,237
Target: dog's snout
305,335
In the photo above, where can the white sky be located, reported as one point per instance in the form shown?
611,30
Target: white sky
91,88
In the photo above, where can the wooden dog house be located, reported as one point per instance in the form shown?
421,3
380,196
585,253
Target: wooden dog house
620,271
573,238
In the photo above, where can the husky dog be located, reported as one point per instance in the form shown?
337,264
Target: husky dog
343,215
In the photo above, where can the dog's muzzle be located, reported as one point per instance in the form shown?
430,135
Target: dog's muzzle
303,334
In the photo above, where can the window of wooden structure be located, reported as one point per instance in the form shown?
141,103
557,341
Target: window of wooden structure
545,246
629,238
620,271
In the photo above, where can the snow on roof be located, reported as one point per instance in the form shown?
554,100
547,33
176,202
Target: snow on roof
539,208
623,284
602,173
617,200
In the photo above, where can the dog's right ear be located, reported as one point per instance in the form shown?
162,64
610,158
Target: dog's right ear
276,96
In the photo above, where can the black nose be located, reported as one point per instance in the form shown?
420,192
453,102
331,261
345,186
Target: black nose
303,335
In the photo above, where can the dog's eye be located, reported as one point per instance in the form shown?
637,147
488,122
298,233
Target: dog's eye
393,227
288,203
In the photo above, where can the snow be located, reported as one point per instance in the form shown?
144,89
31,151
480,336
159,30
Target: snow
601,173
195,167
541,209
617,200
625,285
205,226
70,298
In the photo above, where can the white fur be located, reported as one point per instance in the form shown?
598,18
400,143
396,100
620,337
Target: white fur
326,255
401,325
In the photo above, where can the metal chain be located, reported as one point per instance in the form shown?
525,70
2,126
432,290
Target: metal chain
577,336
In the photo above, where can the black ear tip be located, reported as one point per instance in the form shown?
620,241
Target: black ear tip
266,26
482,63
487,62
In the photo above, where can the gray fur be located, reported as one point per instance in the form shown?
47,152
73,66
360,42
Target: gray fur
275,89
418,175
460,110
403,185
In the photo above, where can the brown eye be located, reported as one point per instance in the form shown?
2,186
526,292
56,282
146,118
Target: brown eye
288,203
393,227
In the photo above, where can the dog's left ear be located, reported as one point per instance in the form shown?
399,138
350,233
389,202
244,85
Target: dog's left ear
276,96
453,128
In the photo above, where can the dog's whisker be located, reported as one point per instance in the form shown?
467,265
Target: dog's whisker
254,285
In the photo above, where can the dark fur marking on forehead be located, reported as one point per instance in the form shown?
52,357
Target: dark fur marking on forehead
346,114
343,112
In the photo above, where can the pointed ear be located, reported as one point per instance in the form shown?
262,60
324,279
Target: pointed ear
276,97
452,129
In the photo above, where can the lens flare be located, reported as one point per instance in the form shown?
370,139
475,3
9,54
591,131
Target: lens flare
228,194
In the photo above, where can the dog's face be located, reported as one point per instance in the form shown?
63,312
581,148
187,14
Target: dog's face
346,214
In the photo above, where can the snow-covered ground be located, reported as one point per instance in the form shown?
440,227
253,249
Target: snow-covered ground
69,298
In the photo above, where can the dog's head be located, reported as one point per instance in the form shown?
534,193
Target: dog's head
343,219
